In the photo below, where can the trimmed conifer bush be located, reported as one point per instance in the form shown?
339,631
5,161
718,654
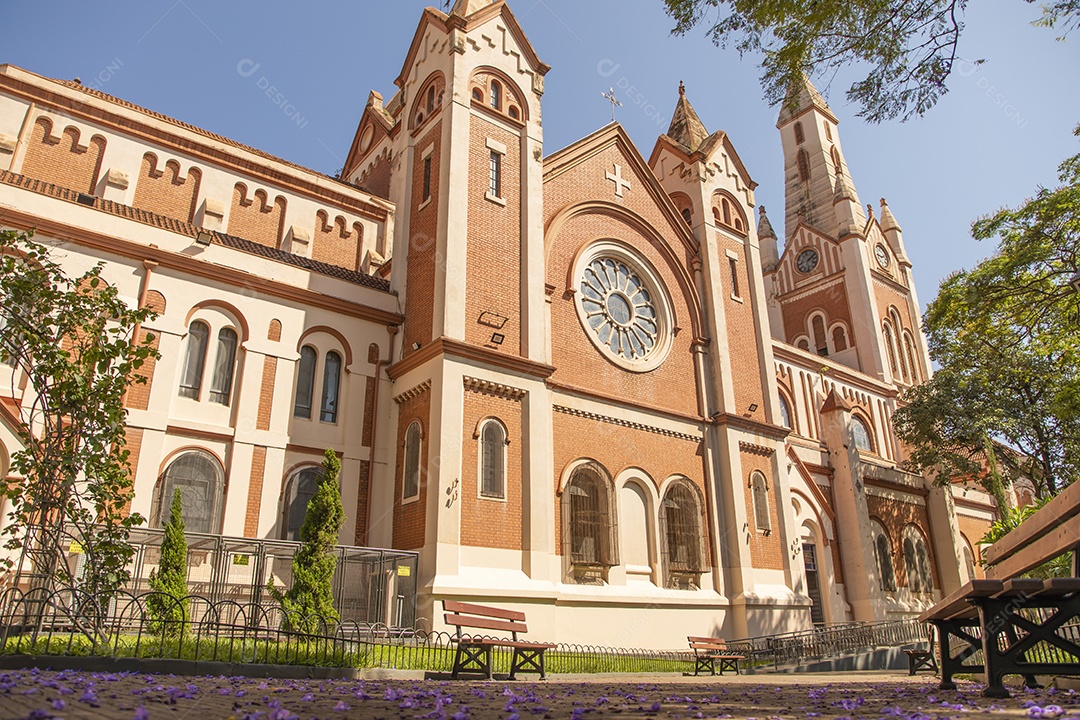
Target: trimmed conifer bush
308,605
167,607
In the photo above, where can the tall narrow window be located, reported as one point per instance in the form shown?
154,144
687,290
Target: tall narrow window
493,460
411,479
194,360
496,95
688,216
883,555
727,212
813,583
495,175
298,493
828,131
917,562
305,382
910,350
427,177
821,342
331,387
680,520
890,347
804,165
785,413
733,266
224,365
839,338
431,100
760,492
838,167
799,136
199,478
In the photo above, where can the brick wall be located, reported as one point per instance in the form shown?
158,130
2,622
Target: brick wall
424,229
409,518
61,160
253,217
254,498
337,243
766,551
895,516
163,191
742,334
487,522
138,395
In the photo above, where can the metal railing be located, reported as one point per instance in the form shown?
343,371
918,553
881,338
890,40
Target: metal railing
829,641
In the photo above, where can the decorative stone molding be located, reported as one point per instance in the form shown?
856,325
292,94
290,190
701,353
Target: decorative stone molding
486,387
625,423
8,143
117,179
298,241
415,391
755,449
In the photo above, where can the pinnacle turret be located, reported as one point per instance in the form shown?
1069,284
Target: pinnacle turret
465,8
686,127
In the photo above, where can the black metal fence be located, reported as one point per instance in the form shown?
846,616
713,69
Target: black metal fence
829,641
371,586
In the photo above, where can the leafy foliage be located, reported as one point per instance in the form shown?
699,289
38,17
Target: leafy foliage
910,47
1009,521
310,600
168,605
73,340
1006,335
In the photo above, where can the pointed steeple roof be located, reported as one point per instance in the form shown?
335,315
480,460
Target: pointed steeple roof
465,8
764,227
686,127
804,95
888,221
834,402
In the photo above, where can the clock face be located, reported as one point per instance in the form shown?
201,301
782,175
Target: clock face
882,255
807,260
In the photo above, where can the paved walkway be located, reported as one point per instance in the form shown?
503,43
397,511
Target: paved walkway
105,696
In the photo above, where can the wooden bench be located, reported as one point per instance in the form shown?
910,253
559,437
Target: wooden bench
919,659
1022,626
474,652
709,651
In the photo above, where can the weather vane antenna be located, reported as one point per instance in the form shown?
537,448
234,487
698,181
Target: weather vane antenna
610,97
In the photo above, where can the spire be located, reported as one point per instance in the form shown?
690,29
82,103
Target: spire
686,127
465,8
764,227
802,96
888,222
834,402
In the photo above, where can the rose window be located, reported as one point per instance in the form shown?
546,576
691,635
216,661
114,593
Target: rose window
618,309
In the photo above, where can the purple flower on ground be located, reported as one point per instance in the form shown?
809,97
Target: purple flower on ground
461,714
655,707
88,696
58,704
39,714
602,700
341,706
141,713
283,714
307,697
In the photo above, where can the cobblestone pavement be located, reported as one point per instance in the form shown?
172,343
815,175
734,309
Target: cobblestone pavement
71,695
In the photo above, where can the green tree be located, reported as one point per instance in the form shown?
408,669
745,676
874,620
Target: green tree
909,47
1006,335
74,340
309,602
169,609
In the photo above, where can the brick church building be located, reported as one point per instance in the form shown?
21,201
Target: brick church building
591,383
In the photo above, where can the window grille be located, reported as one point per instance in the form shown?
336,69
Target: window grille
200,480
301,489
681,531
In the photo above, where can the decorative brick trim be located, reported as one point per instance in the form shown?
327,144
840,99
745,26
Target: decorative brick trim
486,387
415,391
755,449
807,291
625,423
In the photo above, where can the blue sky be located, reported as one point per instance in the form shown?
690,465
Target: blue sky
992,141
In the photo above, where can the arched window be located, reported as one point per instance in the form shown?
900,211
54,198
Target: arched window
803,344
828,131
194,360
890,346
804,165
478,94
224,364
917,561
821,341
496,94
838,167
588,520
688,216
331,387
200,480
411,480
785,413
760,491
514,112
431,99
680,521
909,349
305,382
969,560
727,212
863,438
839,338
883,555
799,135
299,490
493,460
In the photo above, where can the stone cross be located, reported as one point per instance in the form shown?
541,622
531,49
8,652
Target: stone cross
619,180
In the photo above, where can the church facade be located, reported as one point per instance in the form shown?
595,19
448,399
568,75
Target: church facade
588,384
